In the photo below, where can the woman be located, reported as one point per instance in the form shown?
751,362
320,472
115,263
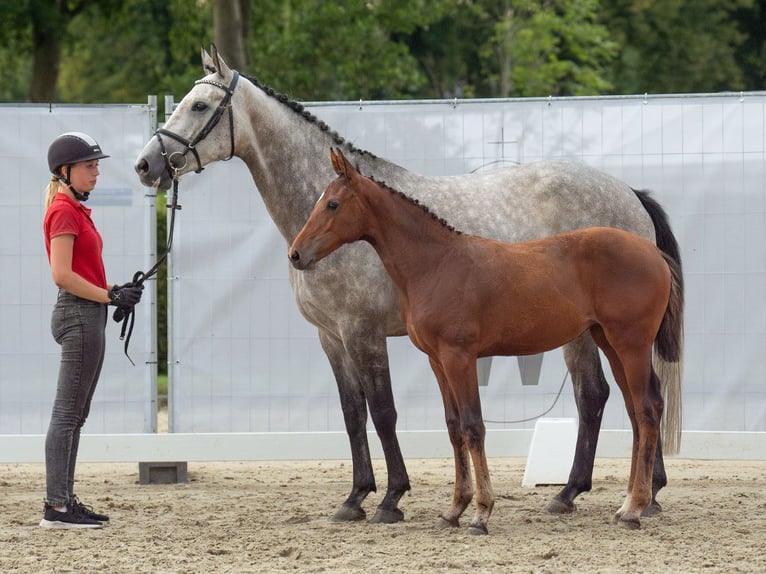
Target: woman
79,318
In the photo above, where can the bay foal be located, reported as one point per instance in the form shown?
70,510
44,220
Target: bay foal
464,297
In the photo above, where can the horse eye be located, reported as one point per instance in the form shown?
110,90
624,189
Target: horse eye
199,107
332,205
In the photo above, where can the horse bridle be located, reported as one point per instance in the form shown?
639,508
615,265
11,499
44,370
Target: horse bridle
190,145
127,315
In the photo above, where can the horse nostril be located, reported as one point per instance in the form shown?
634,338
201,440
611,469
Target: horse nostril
295,256
142,166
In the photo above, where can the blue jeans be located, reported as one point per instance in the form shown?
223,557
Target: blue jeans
79,327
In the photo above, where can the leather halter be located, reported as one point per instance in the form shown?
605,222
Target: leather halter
211,123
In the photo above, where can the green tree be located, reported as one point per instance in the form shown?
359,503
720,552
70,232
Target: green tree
751,54
337,50
153,48
676,46
555,47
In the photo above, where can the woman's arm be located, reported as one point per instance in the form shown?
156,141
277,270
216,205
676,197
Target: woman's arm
62,247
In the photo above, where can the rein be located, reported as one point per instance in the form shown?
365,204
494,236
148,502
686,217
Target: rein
128,316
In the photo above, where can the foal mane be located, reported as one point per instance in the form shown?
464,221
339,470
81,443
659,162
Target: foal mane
300,109
415,202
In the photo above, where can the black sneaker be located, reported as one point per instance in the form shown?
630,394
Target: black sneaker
87,511
69,519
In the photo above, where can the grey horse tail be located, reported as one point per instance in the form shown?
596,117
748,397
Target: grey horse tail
669,343
665,239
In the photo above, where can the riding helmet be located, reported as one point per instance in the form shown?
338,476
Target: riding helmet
73,147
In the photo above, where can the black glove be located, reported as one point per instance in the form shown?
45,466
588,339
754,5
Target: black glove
127,295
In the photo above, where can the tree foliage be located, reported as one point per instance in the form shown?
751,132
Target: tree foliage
682,45
122,50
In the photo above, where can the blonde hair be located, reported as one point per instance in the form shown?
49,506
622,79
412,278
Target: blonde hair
51,191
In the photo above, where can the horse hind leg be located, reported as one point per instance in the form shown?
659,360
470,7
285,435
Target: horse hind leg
635,376
647,400
591,392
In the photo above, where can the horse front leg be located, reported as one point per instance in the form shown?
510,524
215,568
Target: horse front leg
462,387
354,407
368,351
463,489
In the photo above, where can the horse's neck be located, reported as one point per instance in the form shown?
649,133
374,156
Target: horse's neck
288,157
409,241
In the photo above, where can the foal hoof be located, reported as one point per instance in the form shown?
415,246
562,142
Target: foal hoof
349,514
384,516
625,522
443,524
558,506
652,510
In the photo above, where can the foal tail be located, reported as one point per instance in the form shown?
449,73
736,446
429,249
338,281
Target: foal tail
668,345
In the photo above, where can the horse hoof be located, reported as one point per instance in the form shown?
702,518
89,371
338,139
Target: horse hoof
652,510
383,516
478,530
349,514
443,524
558,506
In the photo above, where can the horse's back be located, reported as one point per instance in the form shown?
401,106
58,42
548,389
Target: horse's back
529,201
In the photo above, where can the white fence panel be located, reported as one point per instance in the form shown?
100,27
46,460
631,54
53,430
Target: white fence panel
125,400
243,359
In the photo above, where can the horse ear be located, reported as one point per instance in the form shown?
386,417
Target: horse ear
337,166
207,62
346,169
219,65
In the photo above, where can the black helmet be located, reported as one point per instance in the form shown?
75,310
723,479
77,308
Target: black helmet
73,147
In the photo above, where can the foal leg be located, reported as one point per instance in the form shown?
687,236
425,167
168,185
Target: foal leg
643,388
591,392
460,372
640,387
463,489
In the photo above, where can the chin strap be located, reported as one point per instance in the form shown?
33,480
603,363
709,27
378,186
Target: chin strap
66,181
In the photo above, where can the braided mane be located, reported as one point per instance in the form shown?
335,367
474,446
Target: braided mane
417,203
300,109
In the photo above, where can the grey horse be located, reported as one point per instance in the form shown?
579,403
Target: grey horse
349,297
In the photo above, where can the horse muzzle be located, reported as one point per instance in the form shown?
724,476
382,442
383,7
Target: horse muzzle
151,176
299,261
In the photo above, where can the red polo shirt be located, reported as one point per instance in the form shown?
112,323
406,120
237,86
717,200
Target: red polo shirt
66,216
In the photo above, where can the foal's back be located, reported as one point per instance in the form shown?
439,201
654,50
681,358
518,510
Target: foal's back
521,298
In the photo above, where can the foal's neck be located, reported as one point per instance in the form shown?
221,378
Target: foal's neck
409,239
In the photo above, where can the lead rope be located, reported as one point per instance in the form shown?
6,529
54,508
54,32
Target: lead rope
128,315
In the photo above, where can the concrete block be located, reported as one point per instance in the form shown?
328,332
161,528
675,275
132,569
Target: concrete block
162,472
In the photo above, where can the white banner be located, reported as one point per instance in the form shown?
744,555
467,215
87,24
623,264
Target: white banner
244,359
125,399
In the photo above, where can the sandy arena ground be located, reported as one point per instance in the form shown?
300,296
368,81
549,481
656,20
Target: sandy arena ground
275,517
